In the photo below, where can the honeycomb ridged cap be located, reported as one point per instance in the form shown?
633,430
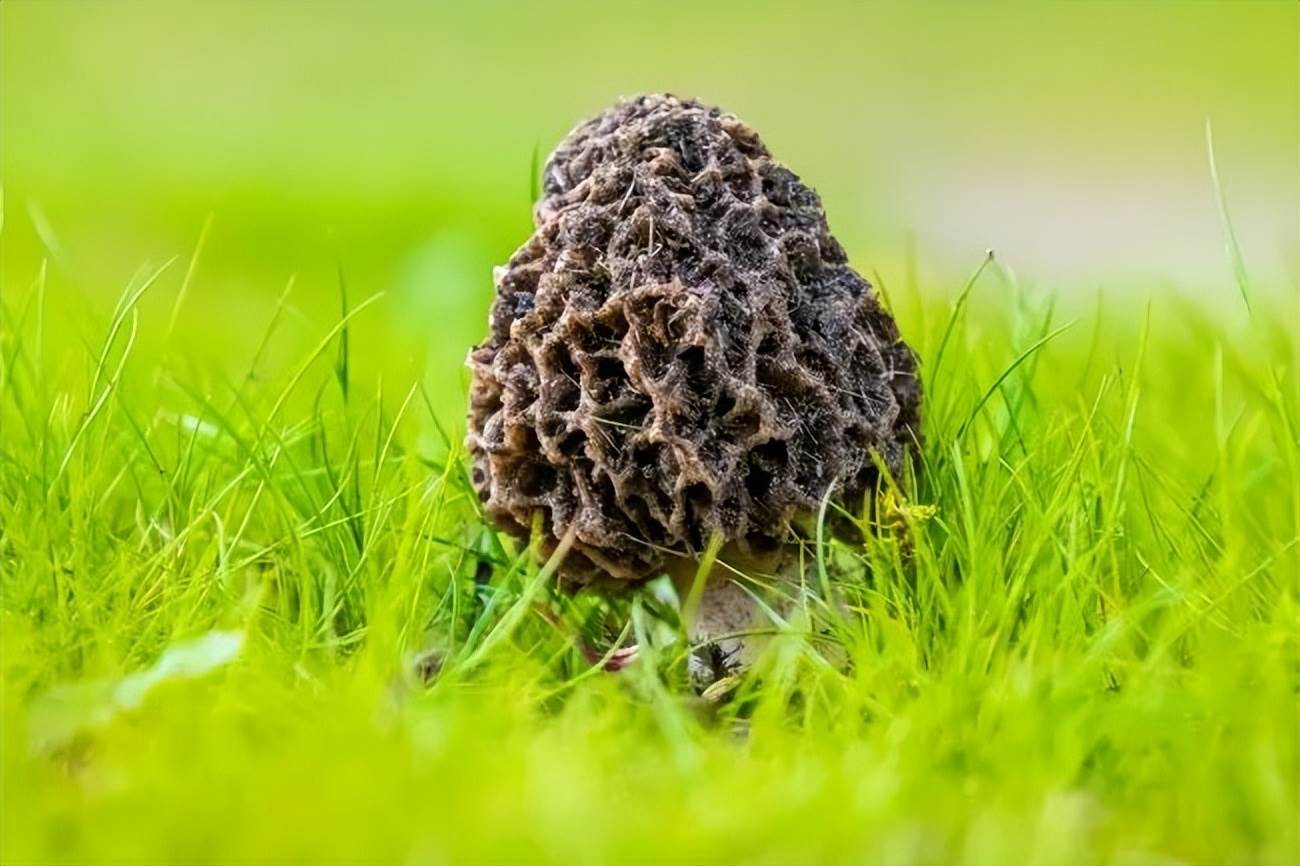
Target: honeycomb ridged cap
680,349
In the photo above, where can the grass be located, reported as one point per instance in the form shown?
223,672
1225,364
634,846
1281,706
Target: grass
1069,637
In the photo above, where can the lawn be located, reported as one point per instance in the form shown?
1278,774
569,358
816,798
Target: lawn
251,614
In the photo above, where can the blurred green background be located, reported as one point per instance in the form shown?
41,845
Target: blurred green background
395,140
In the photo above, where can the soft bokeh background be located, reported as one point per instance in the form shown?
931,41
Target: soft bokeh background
395,141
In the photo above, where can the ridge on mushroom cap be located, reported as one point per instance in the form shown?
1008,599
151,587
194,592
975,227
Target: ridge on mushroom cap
680,349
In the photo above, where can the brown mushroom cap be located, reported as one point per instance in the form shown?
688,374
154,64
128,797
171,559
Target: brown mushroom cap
681,348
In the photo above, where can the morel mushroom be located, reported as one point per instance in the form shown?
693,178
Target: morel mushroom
680,351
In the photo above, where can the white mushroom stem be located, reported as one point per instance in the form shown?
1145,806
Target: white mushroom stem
721,615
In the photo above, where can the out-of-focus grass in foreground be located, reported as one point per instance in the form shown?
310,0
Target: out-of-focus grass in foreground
1074,641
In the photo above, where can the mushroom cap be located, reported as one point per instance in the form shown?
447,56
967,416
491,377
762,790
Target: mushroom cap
680,349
